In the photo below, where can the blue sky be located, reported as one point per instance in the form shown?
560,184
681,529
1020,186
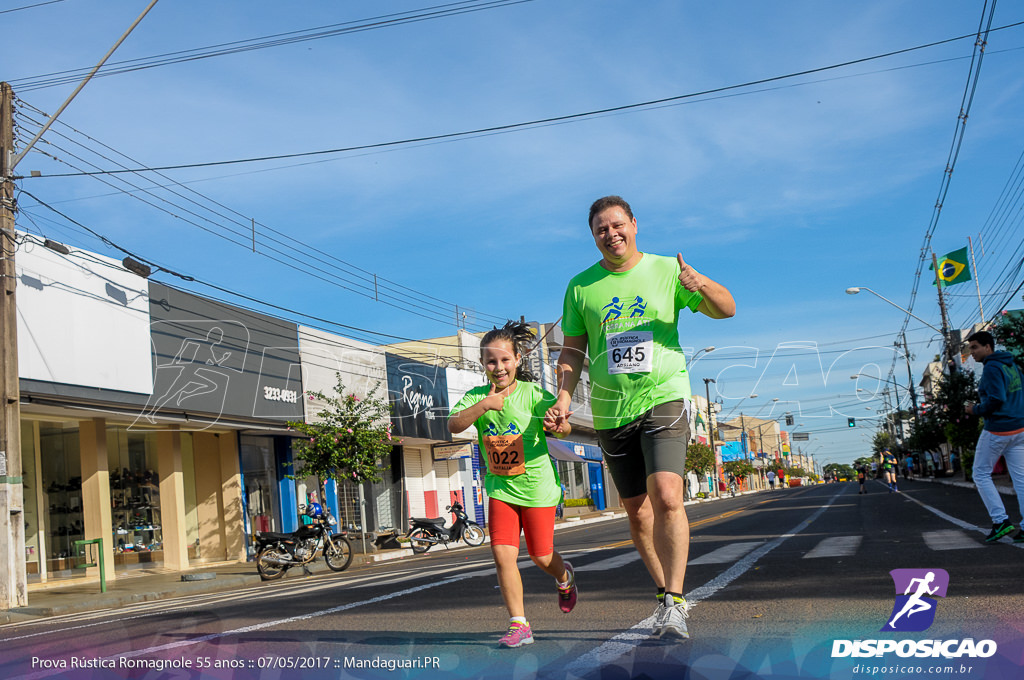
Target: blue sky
787,192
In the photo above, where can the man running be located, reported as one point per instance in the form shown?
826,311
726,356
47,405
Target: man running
640,388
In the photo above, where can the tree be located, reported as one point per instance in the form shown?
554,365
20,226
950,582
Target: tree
349,439
881,441
700,458
1009,332
840,470
740,469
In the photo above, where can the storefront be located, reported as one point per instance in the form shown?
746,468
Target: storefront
434,477
133,398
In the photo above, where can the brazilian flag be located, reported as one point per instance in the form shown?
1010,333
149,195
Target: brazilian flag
953,268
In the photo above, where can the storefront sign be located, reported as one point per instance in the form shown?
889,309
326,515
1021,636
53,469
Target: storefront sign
418,394
452,451
216,359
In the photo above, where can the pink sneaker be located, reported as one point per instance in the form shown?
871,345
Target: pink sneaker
518,634
567,593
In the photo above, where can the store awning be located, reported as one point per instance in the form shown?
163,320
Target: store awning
559,451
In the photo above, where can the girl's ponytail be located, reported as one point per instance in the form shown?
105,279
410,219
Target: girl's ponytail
521,337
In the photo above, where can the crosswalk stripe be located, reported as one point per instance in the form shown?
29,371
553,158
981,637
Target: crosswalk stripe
835,546
610,562
949,539
727,553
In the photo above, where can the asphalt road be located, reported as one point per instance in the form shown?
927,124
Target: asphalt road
774,579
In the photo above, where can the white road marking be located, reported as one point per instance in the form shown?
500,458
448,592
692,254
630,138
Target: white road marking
958,522
253,628
835,546
610,562
950,539
727,553
625,642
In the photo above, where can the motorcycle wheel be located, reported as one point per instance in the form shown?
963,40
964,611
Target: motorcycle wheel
340,557
268,570
417,542
473,535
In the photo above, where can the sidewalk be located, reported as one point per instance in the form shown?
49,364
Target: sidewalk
82,595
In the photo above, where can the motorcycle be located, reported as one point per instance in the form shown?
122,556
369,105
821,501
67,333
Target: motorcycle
277,552
425,533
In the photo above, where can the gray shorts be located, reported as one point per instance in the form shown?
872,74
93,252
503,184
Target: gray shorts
654,442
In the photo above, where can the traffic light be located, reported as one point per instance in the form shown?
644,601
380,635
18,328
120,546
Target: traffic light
789,421
851,422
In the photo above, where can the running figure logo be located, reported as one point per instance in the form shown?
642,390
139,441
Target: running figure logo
614,310
638,307
914,610
492,430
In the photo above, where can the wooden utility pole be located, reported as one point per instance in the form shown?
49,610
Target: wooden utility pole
947,336
13,587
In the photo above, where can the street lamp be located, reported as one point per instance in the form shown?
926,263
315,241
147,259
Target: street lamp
709,348
856,289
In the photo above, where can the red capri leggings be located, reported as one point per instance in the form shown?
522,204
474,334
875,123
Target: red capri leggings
506,521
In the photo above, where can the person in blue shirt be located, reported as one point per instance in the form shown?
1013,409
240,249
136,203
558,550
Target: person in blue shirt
1002,406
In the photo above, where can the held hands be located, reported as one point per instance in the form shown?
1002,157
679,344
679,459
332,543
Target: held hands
688,276
557,418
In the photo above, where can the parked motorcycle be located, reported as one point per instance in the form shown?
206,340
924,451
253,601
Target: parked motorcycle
425,533
277,552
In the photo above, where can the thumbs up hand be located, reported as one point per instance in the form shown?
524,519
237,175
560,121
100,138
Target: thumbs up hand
688,276
494,401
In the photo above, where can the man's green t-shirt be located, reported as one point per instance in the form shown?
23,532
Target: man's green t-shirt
630,319
519,425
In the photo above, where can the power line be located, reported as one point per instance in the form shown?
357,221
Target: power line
38,4
366,284
275,40
981,40
532,123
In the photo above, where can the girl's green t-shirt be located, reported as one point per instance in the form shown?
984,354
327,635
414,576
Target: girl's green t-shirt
518,426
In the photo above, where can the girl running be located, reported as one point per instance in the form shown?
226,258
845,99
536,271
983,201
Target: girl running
522,482
889,464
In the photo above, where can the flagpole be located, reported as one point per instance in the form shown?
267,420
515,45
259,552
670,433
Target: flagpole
977,285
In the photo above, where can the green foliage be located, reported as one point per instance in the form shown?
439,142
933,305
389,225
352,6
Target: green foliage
944,421
349,440
839,470
881,441
740,469
700,458
577,502
1009,332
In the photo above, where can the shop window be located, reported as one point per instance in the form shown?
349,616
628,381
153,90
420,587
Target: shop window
61,480
34,537
135,498
259,469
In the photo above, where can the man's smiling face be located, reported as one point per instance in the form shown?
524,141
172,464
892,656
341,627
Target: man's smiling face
615,235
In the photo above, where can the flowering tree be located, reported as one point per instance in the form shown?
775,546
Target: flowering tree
740,469
348,440
1009,332
700,458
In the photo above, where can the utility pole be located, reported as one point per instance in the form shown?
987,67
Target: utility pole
946,338
13,582
910,379
711,430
